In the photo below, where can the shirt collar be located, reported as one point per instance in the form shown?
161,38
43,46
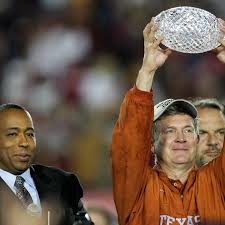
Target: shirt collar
11,178
27,177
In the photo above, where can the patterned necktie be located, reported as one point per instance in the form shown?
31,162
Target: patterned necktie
21,191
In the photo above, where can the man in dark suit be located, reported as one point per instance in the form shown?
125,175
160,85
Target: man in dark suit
33,194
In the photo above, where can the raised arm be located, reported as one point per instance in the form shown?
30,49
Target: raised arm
131,142
154,57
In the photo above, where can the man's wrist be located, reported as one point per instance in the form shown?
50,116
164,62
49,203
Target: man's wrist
144,80
147,70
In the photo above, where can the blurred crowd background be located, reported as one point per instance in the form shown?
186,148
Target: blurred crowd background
70,62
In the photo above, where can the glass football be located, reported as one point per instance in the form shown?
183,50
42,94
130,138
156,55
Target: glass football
188,29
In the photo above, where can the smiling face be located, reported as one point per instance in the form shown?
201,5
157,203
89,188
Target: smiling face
211,131
17,140
176,142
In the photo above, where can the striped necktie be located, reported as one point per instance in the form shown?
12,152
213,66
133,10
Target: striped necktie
21,191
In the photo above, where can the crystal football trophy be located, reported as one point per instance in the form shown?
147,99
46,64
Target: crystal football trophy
188,29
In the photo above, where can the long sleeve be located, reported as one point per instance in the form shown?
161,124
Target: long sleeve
130,152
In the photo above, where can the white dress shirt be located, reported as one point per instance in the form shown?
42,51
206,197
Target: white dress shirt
10,179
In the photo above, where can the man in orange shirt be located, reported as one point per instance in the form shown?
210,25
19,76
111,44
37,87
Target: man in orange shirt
174,191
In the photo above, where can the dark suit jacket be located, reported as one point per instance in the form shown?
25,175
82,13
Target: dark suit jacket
59,194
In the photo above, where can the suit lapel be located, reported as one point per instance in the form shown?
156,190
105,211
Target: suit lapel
46,186
49,193
4,186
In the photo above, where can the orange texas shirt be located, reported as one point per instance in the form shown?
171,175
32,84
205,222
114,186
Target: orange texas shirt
145,195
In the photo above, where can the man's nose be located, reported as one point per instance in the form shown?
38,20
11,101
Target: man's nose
23,142
212,139
180,137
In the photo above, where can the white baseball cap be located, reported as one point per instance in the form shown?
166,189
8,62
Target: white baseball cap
161,107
